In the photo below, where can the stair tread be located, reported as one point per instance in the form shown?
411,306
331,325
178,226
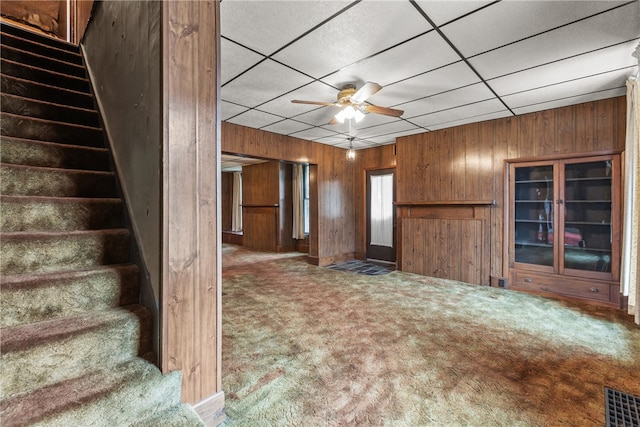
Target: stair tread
17,338
35,82
54,169
54,144
80,392
46,121
79,67
9,28
15,281
44,70
53,104
15,235
12,198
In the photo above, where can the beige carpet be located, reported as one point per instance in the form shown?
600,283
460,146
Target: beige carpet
309,346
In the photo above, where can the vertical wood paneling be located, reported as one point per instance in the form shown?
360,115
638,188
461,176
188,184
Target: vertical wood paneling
459,155
584,127
191,218
472,176
477,172
565,137
544,133
445,163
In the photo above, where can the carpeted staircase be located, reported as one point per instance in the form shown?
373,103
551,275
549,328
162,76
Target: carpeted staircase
74,338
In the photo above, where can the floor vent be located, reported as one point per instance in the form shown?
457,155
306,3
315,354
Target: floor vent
622,409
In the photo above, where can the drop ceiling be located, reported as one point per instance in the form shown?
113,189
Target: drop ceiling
445,63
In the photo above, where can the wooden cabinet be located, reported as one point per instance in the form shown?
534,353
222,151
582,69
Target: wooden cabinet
564,227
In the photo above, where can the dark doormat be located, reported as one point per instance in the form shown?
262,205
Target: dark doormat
621,409
363,267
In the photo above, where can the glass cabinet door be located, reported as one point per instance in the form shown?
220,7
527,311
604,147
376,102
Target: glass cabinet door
534,214
588,231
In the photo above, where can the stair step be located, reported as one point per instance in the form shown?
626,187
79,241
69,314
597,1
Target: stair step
50,131
28,152
22,106
30,36
16,69
18,180
41,49
44,92
33,213
41,61
112,396
45,252
39,354
30,298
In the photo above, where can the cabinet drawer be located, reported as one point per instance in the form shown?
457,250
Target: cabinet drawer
580,288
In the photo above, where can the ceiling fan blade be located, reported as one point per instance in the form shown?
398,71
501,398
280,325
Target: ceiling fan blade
383,110
297,101
362,94
333,121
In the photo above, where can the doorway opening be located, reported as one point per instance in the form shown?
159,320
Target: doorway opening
381,216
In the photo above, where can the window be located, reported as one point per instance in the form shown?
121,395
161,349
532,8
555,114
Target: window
305,197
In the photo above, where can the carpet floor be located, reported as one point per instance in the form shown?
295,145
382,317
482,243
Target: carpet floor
310,346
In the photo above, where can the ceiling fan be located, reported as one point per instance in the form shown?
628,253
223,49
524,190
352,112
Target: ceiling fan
351,103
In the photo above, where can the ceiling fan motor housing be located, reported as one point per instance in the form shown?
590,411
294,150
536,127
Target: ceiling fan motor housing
344,96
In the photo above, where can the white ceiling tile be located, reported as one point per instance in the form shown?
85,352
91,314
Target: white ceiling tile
262,83
265,26
612,58
229,110
391,138
286,127
318,117
421,54
447,100
437,81
234,59
365,29
605,94
474,119
509,21
605,81
315,91
387,129
313,134
460,113
358,144
619,25
255,119
444,11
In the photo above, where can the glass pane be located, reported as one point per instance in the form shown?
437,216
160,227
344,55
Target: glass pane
588,233
382,210
533,219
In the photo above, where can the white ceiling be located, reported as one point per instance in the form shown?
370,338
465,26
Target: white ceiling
444,63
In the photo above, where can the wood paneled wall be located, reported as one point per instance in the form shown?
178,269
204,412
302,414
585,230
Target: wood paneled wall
191,255
331,180
467,163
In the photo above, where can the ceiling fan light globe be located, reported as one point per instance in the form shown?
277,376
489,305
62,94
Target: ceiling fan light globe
358,116
340,116
349,112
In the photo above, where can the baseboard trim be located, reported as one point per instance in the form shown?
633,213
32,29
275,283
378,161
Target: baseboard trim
322,261
211,409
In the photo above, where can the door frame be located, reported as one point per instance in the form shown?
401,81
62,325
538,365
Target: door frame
380,253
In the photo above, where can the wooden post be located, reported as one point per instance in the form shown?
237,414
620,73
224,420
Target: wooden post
191,234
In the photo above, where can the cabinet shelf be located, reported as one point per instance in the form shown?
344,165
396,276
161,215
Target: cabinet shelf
590,178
